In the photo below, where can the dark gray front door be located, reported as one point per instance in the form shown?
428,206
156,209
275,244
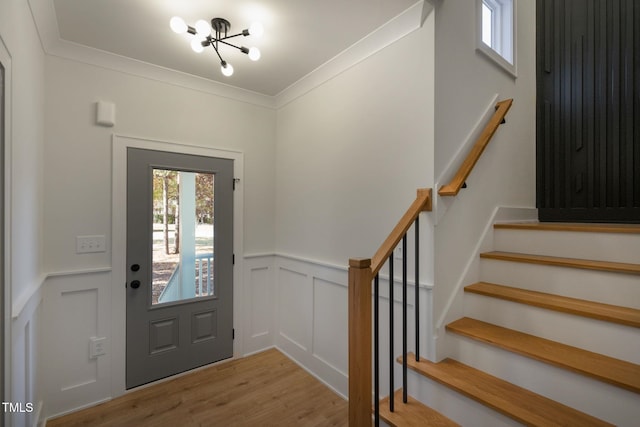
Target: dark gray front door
179,263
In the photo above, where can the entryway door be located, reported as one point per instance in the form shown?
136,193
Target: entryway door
179,263
588,117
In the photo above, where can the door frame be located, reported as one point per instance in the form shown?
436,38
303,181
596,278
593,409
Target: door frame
120,143
5,218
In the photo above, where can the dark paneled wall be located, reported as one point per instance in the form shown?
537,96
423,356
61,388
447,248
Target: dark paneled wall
588,117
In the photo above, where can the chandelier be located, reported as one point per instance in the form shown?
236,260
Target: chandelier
214,34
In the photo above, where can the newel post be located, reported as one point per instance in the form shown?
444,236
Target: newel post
360,277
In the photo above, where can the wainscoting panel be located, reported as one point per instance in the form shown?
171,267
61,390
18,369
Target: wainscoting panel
313,295
76,308
25,353
260,311
294,306
330,335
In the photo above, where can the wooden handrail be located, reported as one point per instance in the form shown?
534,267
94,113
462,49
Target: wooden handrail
454,186
361,274
422,203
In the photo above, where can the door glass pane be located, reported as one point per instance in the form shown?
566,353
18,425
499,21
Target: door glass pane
183,227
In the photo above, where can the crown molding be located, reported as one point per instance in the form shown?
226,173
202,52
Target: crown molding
44,16
395,29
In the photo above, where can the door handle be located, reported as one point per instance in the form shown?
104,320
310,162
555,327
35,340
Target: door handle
135,284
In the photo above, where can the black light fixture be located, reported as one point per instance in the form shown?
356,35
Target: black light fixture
213,34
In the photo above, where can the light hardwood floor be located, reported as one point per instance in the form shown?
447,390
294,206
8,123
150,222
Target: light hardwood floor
266,389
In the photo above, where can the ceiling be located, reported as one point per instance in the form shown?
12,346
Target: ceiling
300,35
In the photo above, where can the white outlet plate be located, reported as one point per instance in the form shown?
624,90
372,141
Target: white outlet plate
97,347
90,244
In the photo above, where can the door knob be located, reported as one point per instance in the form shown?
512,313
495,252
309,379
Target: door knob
135,284
135,267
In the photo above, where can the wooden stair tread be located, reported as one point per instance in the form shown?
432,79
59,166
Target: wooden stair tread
617,267
610,313
412,414
607,369
508,399
565,226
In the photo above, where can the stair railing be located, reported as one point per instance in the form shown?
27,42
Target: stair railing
460,178
362,274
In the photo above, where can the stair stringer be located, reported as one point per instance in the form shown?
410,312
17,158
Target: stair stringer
454,308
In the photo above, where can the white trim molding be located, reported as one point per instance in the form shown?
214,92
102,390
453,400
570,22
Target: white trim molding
398,27
5,58
504,53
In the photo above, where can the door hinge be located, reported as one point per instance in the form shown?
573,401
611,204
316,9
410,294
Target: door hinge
233,259
233,334
235,181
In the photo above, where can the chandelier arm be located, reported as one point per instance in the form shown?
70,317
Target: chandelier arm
217,53
229,44
231,36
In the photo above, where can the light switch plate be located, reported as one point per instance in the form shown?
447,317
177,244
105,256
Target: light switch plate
90,244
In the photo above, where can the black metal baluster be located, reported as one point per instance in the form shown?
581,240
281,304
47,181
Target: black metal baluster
404,318
376,357
391,400
417,280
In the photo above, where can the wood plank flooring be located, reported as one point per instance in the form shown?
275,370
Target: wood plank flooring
266,389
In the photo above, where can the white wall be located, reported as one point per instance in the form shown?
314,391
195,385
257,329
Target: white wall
350,155
78,201
78,151
352,152
466,81
25,147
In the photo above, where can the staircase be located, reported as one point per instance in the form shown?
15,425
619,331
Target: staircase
550,335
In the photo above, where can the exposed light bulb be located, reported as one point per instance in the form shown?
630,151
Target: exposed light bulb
254,53
256,29
226,68
196,45
178,25
203,28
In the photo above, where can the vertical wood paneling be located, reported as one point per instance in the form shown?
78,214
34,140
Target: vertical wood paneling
636,103
588,110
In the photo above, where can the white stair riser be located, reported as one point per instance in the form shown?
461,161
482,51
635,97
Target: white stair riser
457,407
616,247
618,341
599,286
601,400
